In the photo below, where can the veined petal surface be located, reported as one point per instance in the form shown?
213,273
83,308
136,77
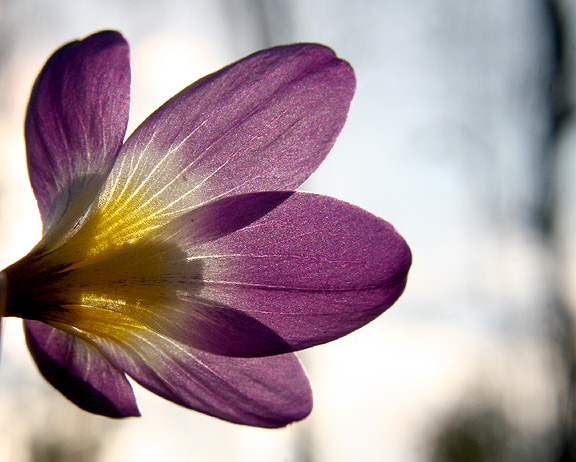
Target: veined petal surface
76,121
266,392
263,123
312,270
80,371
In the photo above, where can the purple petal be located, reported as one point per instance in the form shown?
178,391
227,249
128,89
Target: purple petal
266,392
77,119
80,371
221,217
312,270
263,123
214,328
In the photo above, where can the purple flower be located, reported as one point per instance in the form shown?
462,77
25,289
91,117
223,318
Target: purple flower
182,257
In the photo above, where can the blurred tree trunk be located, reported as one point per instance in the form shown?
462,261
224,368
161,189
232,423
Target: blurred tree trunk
562,327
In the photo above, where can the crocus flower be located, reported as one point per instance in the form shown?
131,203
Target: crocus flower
182,257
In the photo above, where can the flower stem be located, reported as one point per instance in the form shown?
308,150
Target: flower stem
3,294
3,297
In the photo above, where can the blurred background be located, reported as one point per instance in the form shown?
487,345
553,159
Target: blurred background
461,134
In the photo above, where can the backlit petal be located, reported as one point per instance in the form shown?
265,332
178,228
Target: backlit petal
76,120
313,269
263,123
80,371
265,392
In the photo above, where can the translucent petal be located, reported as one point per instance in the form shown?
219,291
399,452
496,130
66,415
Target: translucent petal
80,371
76,120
